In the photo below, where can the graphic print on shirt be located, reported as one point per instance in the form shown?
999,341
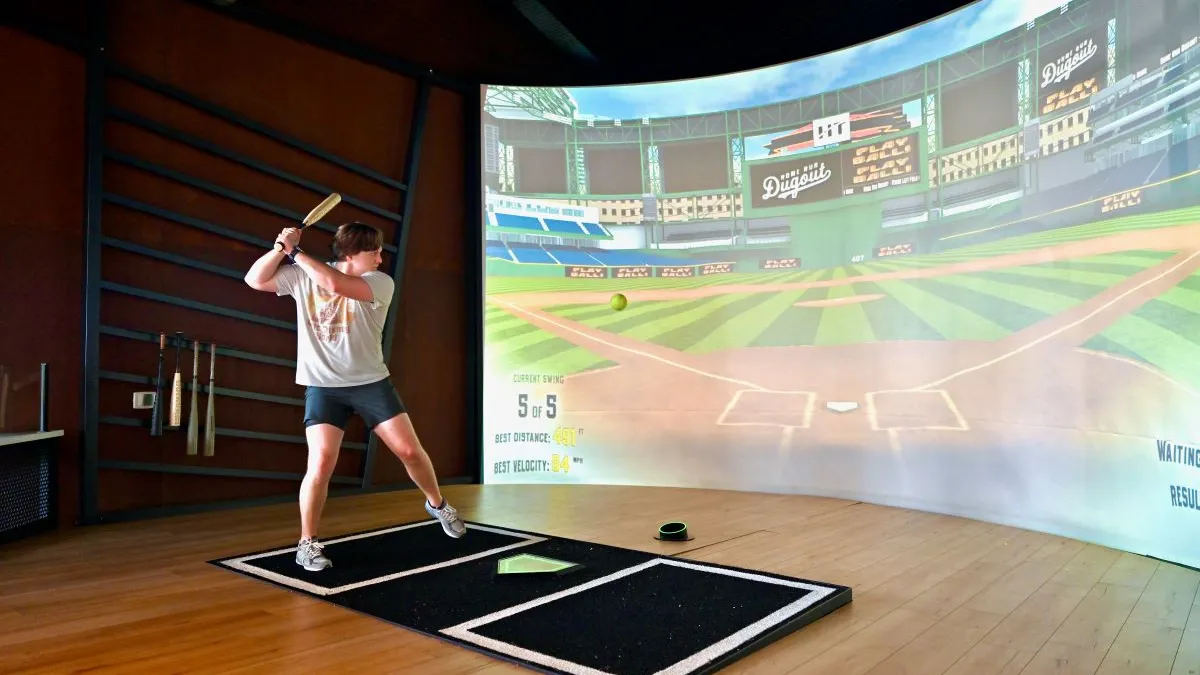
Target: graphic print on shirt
329,314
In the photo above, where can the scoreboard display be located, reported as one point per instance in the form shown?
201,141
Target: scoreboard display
1072,69
815,177
892,163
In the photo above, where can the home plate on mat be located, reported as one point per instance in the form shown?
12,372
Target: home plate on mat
617,611
533,564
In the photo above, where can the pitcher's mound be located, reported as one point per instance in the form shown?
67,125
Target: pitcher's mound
832,302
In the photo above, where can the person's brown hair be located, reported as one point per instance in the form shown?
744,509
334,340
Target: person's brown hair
356,237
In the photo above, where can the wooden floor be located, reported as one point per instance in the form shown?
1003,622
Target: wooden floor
932,594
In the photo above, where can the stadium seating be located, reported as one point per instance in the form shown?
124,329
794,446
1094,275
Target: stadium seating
552,225
1035,209
570,255
1033,213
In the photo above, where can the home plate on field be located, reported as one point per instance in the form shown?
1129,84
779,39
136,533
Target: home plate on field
617,610
841,406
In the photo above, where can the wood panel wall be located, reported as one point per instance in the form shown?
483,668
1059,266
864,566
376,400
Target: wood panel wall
41,259
164,271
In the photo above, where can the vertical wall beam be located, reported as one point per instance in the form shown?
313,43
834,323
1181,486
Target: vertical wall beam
474,278
412,165
89,501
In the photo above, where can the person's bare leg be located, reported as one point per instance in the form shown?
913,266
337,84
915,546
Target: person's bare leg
324,443
398,434
400,437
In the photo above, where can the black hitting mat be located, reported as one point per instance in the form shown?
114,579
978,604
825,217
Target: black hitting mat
619,611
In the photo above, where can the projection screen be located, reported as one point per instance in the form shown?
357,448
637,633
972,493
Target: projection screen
956,269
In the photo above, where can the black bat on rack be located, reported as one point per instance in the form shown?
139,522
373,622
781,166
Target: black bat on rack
156,413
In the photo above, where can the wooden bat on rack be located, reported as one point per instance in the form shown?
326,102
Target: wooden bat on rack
210,422
177,389
193,431
156,413
317,213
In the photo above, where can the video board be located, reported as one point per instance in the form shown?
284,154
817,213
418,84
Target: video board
863,169
1072,69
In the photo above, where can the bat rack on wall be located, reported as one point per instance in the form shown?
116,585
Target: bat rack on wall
174,409
396,209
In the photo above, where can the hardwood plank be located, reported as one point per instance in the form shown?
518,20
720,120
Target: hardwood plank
1099,617
933,594
1131,570
938,648
375,651
1142,649
1167,600
870,646
1187,659
1033,621
1088,566
1057,658
1151,639
986,659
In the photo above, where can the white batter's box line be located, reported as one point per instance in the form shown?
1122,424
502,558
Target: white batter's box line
242,565
809,407
464,631
873,413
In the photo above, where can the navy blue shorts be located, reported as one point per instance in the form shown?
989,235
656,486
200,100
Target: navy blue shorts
375,402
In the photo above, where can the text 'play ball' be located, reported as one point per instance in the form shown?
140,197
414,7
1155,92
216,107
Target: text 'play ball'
618,302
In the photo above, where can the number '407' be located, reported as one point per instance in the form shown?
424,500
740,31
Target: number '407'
550,410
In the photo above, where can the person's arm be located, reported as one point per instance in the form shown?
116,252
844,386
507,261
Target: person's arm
261,276
329,278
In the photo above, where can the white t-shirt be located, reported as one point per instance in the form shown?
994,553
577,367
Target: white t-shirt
340,339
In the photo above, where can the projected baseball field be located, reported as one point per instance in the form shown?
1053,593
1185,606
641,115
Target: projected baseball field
956,269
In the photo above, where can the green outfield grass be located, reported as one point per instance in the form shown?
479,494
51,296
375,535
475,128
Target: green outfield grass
511,343
1163,333
975,306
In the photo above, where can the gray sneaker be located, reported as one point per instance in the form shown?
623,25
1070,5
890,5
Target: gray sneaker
310,555
451,523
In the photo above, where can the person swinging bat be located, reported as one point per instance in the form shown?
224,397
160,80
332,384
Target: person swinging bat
341,309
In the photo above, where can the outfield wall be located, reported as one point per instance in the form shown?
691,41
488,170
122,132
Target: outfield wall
1173,193
836,236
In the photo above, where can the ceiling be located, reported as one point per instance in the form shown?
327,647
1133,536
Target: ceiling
576,42
649,41
548,42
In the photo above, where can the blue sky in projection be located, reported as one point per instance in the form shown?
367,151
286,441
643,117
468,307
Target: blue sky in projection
879,58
